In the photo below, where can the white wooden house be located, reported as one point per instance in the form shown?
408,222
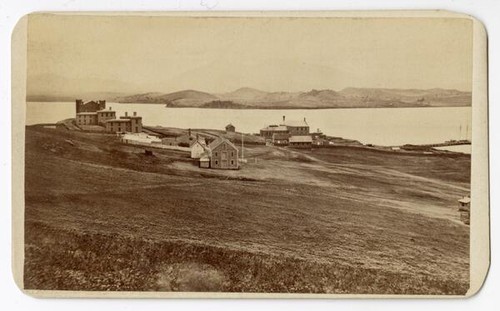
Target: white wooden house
198,148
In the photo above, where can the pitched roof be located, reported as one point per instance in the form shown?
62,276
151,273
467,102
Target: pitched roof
275,128
219,141
202,143
296,123
300,139
464,200
205,156
229,125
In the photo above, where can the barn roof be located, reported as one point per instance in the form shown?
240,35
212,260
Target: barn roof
219,141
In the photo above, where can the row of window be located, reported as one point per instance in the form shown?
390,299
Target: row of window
301,129
217,162
216,154
107,114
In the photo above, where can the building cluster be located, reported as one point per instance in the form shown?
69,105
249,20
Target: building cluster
94,113
294,134
219,154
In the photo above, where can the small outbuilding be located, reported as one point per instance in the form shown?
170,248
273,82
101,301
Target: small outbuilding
280,139
230,128
464,204
205,160
464,209
304,141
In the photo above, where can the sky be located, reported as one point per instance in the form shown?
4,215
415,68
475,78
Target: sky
68,54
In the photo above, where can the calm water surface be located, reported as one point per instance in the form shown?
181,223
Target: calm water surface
380,126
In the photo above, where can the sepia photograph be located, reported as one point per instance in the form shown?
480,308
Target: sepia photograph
248,153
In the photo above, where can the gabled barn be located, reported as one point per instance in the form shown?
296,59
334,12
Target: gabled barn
223,154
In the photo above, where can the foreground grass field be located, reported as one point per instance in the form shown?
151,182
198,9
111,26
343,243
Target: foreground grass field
103,216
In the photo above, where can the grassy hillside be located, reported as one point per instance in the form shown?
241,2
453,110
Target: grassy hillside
249,98
103,216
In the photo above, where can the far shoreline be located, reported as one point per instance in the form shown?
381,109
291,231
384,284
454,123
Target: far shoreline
266,107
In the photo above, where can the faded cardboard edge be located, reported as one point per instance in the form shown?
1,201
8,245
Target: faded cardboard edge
289,14
18,80
480,222
479,238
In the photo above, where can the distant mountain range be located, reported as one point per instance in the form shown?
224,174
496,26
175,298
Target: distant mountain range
249,98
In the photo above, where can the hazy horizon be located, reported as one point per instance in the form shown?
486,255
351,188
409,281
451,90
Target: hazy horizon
70,54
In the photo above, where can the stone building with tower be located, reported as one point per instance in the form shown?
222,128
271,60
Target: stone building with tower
91,106
93,115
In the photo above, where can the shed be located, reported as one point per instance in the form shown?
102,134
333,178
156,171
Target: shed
464,204
303,141
204,161
280,139
230,128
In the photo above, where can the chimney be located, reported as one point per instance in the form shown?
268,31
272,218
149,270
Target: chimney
189,132
135,114
79,103
126,113
304,119
109,108
283,119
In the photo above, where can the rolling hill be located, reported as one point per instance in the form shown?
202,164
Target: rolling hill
250,98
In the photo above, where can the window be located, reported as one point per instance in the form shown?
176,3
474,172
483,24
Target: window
216,155
216,162
232,155
232,162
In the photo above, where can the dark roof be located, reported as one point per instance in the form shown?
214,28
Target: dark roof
280,136
229,125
